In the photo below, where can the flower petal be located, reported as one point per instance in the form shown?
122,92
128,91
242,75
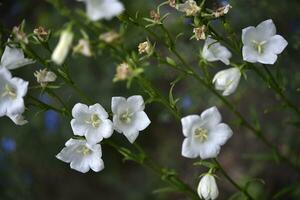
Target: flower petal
250,54
211,116
141,120
276,44
117,103
188,123
132,135
79,109
188,150
99,110
266,29
79,127
220,134
248,35
96,164
136,103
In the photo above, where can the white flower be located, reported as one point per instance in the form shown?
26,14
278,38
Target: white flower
83,47
12,91
62,49
103,9
13,58
204,134
207,188
129,116
91,122
44,77
214,51
189,7
227,80
18,119
261,44
82,155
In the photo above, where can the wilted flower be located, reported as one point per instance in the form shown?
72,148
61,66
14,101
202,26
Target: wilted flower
19,34
41,33
172,3
227,80
145,47
199,32
207,188
204,134
110,36
83,47
14,58
103,9
214,51
155,16
124,72
62,49
12,91
44,77
222,11
128,116
189,7
82,156
18,119
91,122
261,44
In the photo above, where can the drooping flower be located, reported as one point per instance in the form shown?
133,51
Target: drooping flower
261,44
83,47
103,9
190,8
128,116
207,188
204,134
214,51
14,58
18,119
44,77
82,156
63,47
91,122
12,91
227,80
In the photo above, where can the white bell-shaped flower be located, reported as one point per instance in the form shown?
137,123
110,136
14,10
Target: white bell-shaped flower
204,134
62,49
227,80
103,9
82,156
12,91
261,44
14,58
91,122
207,188
214,51
129,116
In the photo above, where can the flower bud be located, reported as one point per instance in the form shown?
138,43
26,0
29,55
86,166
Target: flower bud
83,47
227,80
207,188
62,49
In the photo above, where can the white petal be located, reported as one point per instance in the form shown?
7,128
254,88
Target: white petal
276,44
107,128
188,122
267,58
79,127
96,164
211,116
136,103
141,121
18,119
21,85
188,150
16,106
209,150
248,35
99,110
117,103
220,134
132,135
13,58
250,54
79,109
266,29
80,164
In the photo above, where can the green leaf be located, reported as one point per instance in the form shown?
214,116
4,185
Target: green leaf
164,190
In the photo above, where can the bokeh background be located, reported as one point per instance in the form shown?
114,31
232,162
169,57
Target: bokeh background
29,169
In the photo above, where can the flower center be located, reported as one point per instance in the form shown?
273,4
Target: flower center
201,134
126,117
259,46
94,121
9,91
84,150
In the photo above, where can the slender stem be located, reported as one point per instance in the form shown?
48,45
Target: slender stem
236,185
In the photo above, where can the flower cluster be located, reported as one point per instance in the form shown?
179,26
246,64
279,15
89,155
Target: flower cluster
92,123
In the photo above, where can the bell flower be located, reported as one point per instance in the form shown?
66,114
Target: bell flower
129,117
207,188
91,122
103,9
204,135
63,47
227,80
261,44
214,51
14,58
82,156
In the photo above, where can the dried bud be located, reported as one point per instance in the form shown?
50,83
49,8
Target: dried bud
172,3
155,15
222,11
44,77
19,34
190,8
124,71
83,47
199,32
144,47
41,33
109,37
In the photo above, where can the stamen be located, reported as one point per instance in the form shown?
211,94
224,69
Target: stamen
201,134
9,91
126,117
94,121
84,150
